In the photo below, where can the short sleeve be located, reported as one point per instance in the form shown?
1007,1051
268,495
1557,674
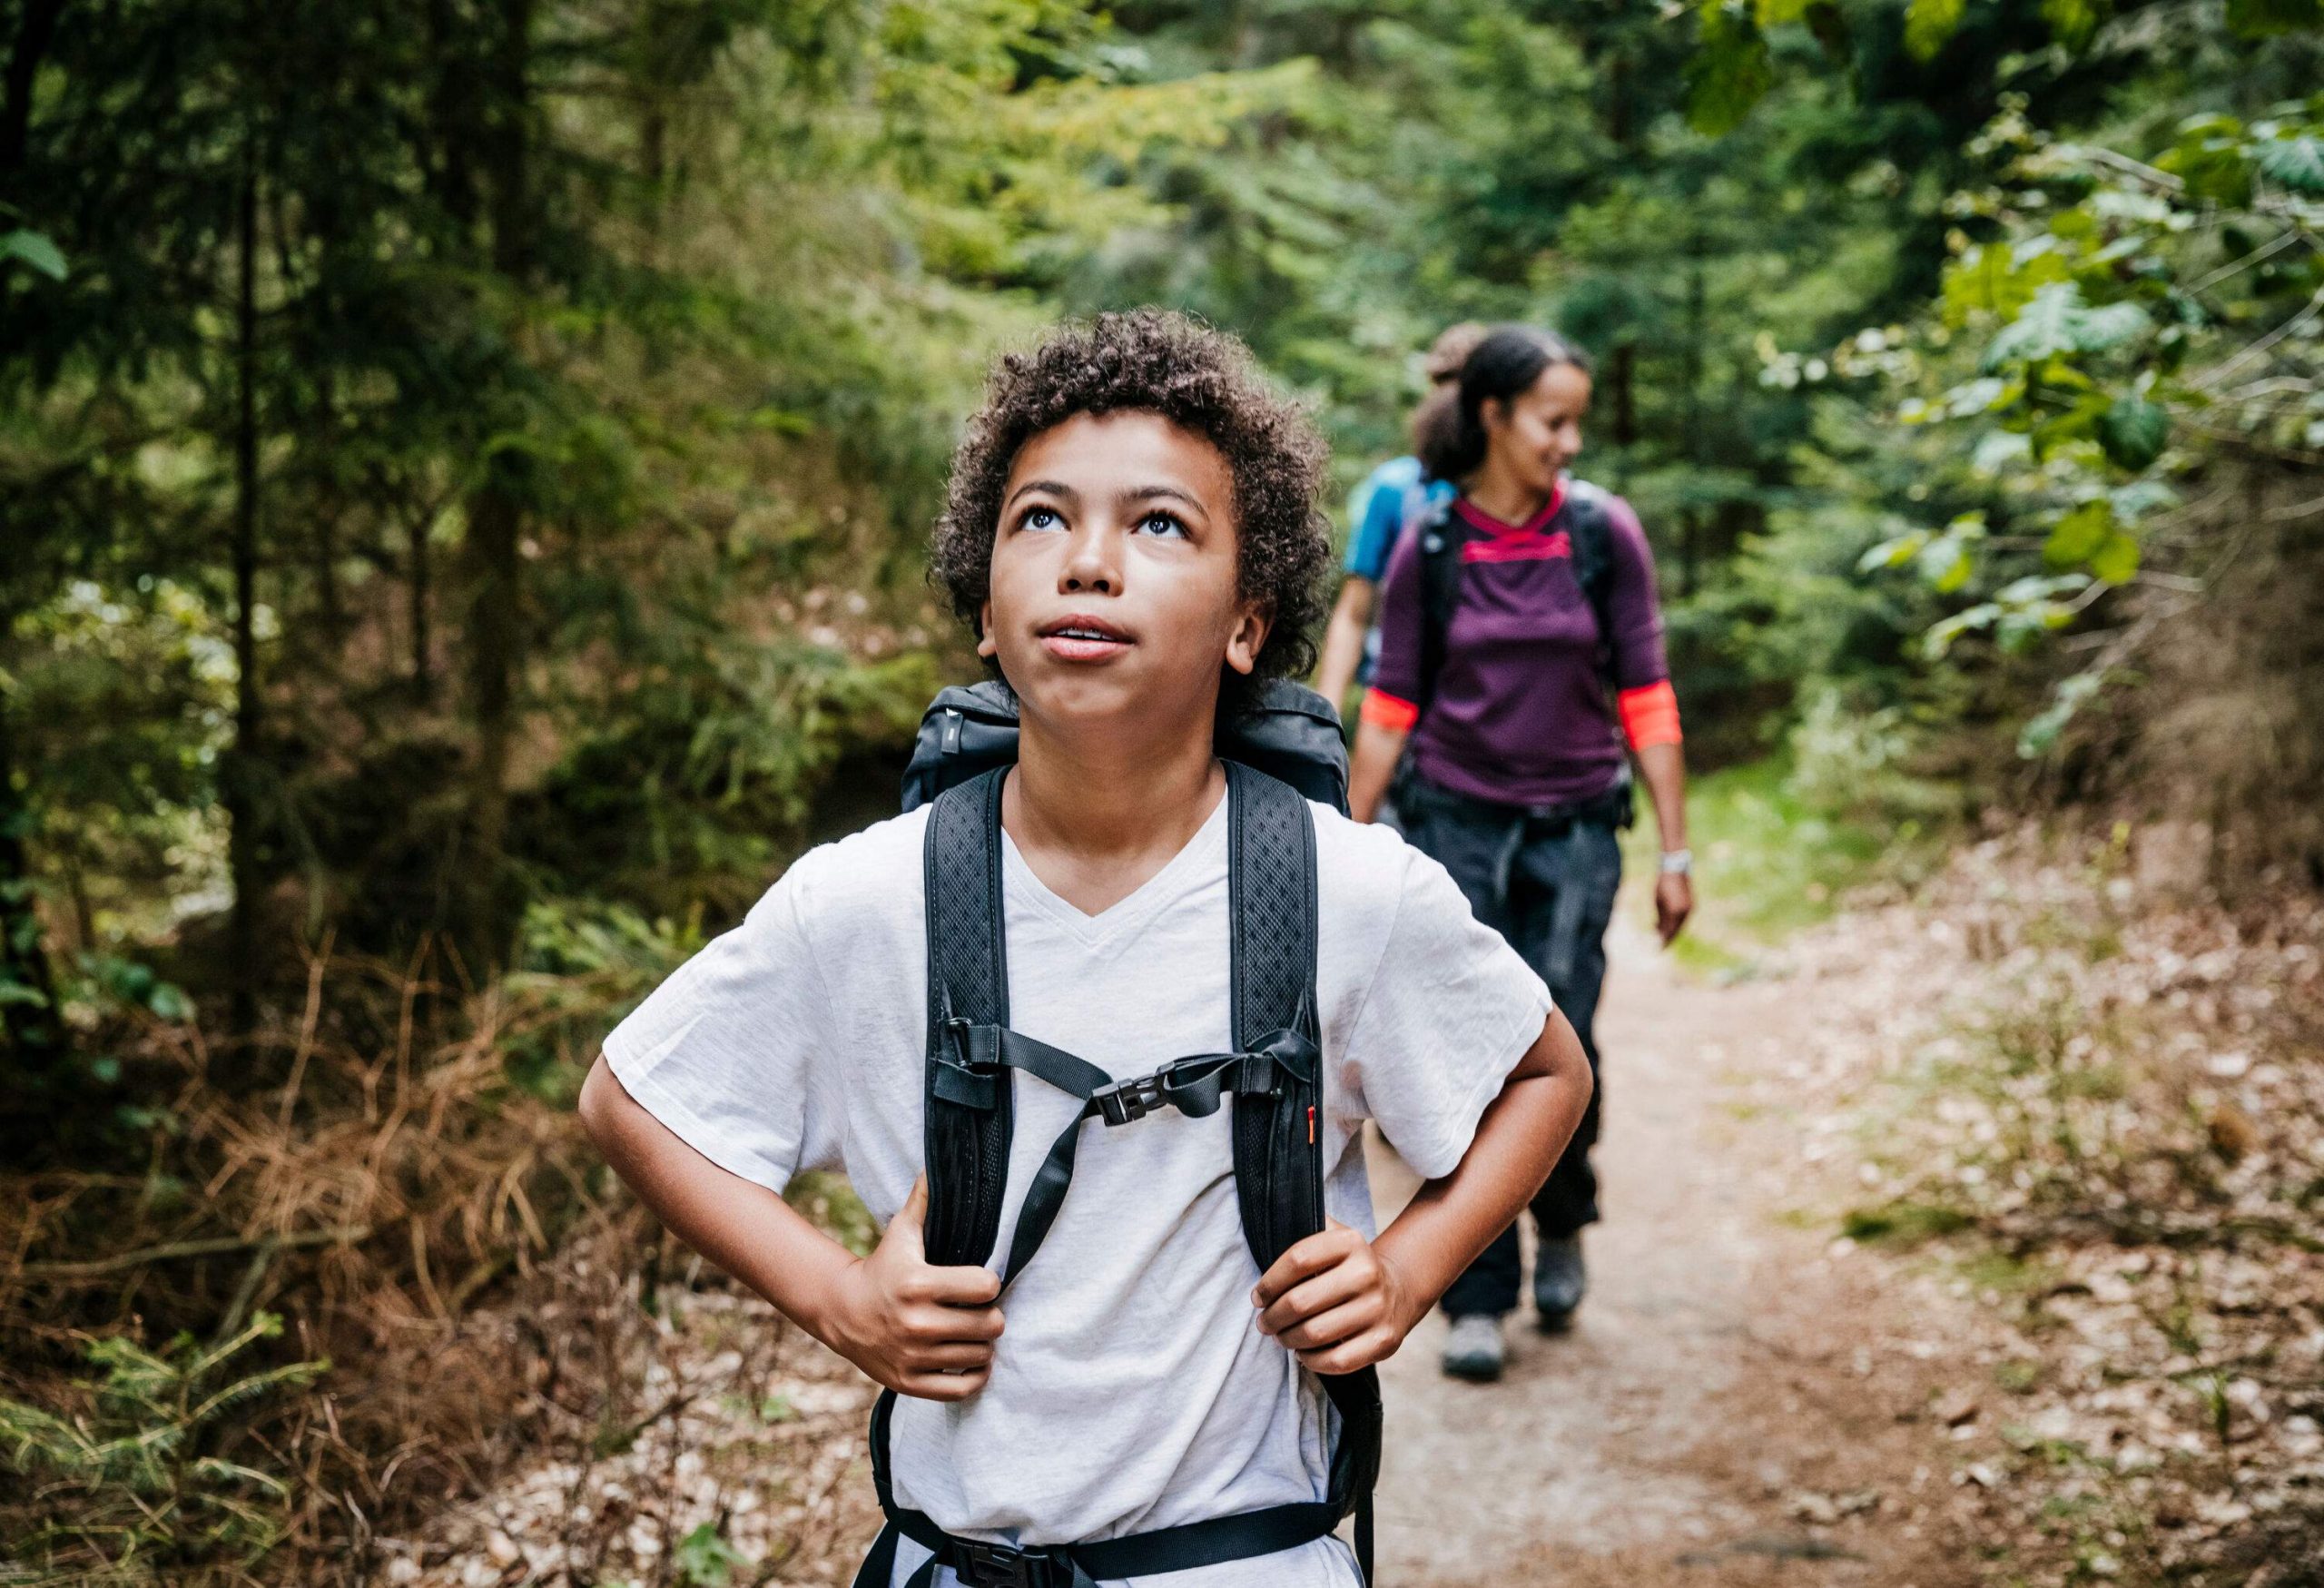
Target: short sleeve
1375,528
1631,605
1449,1012
728,1052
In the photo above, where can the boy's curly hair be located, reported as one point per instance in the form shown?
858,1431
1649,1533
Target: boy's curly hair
1157,362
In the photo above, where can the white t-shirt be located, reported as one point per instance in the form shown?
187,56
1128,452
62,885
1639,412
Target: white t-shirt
1132,1389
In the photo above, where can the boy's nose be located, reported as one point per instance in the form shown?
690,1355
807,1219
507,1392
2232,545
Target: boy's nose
1088,567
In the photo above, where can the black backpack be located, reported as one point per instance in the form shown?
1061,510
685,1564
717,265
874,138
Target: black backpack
1287,731
1284,750
1444,533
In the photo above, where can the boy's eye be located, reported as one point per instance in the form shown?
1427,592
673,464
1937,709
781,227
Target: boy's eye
1164,526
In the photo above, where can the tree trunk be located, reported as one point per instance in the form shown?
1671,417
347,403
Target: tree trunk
451,108
1690,557
495,527
1621,377
241,778
423,675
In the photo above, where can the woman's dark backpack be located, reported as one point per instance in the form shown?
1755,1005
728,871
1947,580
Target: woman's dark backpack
1285,752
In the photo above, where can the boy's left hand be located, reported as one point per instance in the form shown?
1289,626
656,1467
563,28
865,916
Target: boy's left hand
1335,1301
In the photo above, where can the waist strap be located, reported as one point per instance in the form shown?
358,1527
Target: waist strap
979,1564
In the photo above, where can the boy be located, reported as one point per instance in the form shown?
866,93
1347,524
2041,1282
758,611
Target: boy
1131,532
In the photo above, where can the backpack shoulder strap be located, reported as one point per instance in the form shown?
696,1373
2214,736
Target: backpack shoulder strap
1590,528
1271,896
1589,525
1442,535
969,1116
1278,1135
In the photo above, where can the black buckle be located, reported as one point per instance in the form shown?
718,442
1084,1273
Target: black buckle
957,1027
997,1566
1128,1100
958,1077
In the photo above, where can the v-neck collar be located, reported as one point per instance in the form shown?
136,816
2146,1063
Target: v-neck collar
1141,902
1541,520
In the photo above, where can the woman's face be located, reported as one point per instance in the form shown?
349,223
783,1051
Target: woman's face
1532,437
1115,573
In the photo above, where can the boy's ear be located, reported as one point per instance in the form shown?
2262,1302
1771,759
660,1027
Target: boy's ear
987,647
1248,638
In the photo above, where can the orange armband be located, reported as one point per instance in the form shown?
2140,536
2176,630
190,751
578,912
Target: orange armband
1384,710
1651,714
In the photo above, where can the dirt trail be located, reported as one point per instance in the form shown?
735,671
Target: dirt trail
1732,1406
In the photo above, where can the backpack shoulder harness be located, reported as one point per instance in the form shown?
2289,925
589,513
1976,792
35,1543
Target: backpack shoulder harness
1444,533
1274,1076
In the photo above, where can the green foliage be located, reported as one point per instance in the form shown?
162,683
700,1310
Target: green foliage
2137,306
1780,842
33,250
705,1560
153,1475
2262,18
587,471
1729,72
1904,1223
1930,24
582,964
587,455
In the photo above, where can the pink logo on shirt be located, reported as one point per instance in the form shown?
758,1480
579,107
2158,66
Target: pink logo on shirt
1521,546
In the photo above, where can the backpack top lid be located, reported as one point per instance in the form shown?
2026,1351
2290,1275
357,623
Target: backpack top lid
1289,732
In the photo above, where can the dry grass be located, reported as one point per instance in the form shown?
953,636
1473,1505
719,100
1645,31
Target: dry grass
375,1202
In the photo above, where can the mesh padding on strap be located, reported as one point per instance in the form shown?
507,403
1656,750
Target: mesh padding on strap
1271,880
967,1149
1271,890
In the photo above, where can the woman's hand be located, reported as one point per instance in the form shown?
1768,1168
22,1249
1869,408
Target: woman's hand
1335,1302
917,1329
1674,901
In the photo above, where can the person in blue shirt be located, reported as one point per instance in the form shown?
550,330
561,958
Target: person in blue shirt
1390,497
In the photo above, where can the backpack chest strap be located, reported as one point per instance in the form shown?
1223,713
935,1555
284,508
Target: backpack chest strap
971,1072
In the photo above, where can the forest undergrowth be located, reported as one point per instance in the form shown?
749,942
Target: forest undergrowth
279,1325
2085,1096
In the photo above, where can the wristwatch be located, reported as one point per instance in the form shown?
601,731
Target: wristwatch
1677,862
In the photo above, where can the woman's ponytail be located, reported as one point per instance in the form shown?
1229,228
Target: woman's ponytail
1449,436
1436,431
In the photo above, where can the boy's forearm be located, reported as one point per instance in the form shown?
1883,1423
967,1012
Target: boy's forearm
743,1227
1451,1220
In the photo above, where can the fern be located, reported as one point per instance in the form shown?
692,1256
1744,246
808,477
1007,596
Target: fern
138,1489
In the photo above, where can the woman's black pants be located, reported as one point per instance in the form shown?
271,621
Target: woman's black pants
1545,879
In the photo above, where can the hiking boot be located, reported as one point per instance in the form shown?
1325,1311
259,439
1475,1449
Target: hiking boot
1558,1281
1473,1350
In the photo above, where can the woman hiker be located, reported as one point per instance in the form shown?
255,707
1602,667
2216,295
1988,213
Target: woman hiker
1520,646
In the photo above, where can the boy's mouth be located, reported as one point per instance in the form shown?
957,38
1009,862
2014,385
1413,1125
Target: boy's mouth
1079,637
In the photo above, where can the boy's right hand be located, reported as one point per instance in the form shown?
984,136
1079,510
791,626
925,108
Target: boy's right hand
917,1329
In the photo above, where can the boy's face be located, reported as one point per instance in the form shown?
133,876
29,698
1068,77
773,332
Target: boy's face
1115,572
